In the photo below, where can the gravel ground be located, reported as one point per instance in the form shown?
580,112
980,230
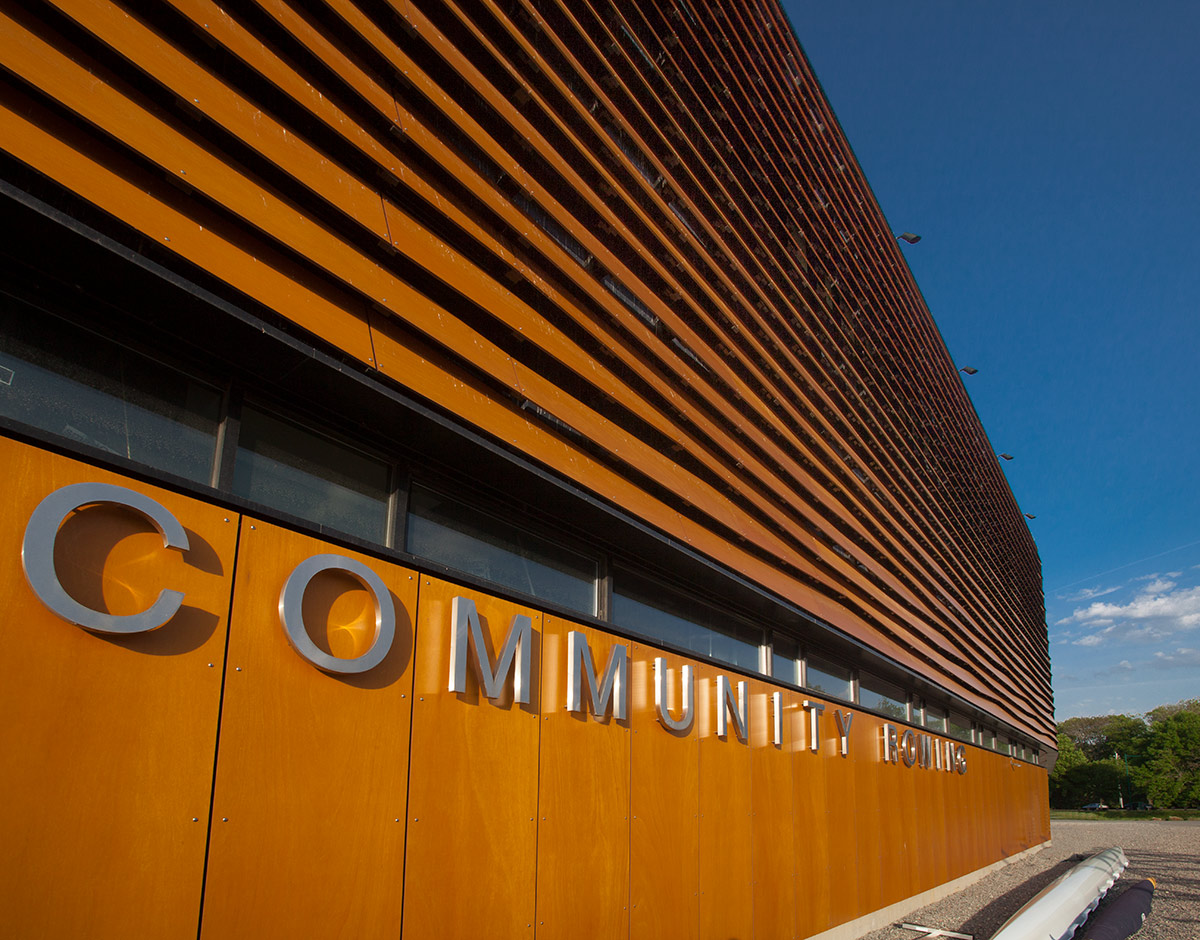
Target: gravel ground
1168,852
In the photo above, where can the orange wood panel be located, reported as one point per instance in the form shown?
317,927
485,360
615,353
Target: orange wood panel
934,794
899,855
473,784
664,806
874,823
726,817
956,821
773,864
110,740
825,858
312,766
583,800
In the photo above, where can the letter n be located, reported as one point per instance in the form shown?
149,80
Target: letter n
726,705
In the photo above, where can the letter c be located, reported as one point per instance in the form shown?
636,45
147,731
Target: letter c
291,614
37,556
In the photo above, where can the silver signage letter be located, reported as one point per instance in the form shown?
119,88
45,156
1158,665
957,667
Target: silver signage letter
612,691
37,556
465,630
908,747
925,755
843,723
777,719
291,614
660,697
726,704
814,729
960,759
889,744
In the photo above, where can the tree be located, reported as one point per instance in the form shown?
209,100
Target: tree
1171,773
1062,790
1164,712
1088,734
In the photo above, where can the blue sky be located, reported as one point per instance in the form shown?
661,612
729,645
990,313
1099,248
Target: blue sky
1049,155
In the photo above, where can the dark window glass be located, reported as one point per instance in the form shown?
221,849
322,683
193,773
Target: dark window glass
935,718
829,678
882,696
305,474
73,383
959,727
785,659
654,610
447,531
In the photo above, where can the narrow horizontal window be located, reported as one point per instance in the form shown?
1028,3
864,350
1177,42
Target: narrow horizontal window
306,474
882,696
72,383
452,533
828,678
935,719
959,727
785,659
655,610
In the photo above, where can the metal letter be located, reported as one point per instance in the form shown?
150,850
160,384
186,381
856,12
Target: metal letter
660,696
960,759
814,730
908,747
466,631
611,691
291,614
37,556
777,718
889,744
843,723
925,756
948,764
725,703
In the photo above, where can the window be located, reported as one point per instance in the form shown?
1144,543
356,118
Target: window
881,696
655,610
935,719
959,727
303,473
828,678
448,531
785,659
78,385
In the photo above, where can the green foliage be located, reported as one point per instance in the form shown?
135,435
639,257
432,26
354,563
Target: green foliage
1153,758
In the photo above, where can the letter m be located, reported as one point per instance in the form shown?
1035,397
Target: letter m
466,632
580,668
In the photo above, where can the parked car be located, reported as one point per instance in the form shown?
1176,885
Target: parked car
1095,807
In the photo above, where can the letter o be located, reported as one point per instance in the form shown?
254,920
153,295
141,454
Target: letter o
37,556
908,747
291,614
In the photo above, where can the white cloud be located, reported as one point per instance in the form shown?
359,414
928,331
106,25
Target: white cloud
1160,609
1181,658
1093,640
1088,593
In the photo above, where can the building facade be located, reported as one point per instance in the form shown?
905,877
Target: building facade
482,468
